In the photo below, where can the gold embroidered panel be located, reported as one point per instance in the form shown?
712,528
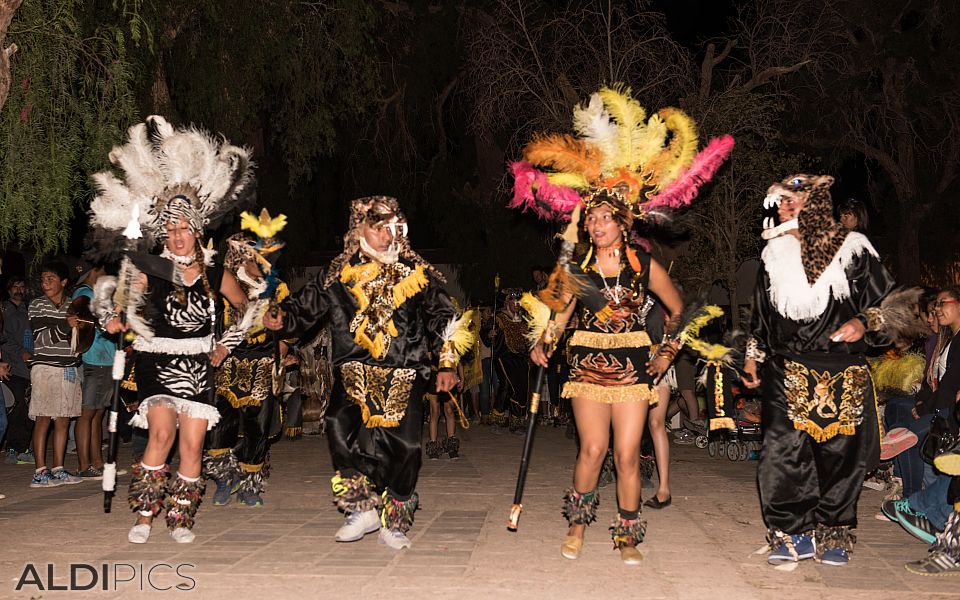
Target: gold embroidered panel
818,405
382,393
245,381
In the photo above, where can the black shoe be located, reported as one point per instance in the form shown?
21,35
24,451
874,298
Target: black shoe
453,447
657,503
433,449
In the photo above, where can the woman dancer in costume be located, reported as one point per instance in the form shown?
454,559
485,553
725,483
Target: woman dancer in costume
176,182
621,166
612,372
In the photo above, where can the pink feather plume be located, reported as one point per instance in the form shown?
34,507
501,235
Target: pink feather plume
685,187
532,190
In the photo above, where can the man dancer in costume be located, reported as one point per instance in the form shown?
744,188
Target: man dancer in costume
816,307
246,395
386,311
175,183
623,166
510,358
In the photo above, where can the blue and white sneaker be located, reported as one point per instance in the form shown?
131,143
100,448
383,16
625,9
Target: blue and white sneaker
836,557
64,476
800,547
42,478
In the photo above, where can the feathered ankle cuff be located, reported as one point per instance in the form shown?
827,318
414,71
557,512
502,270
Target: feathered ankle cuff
828,538
627,532
398,514
581,509
253,477
148,489
220,464
183,502
354,494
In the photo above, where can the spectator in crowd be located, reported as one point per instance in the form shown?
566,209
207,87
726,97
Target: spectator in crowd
16,350
97,389
54,375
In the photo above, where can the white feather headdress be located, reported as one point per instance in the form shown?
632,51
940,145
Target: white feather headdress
157,163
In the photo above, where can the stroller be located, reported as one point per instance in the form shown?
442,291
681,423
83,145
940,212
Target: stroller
733,415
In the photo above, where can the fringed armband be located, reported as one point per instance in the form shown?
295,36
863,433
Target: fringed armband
458,338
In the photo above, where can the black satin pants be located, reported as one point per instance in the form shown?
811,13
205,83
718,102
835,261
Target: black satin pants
513,394
389,456
804,483
247,430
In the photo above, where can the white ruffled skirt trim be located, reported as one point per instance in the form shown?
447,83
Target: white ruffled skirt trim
190,408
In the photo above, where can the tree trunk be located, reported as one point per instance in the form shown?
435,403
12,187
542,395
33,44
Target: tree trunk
7,8
908,268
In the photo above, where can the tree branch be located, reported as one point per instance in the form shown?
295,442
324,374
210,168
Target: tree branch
7,8
766,75
709,63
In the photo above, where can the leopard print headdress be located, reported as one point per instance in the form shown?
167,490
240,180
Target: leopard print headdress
820,234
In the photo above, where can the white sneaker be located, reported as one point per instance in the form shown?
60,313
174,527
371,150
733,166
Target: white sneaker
394,538
358,525
182,535
139,534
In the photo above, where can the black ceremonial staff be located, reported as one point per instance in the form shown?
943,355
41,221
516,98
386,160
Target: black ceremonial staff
567,279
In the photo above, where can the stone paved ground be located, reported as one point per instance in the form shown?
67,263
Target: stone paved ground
700,547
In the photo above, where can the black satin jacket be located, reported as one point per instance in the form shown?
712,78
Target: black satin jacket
420,322
779,335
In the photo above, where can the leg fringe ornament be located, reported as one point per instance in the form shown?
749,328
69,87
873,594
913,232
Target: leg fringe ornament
148,489
948,542
398,514
648,466
220,464
517,422
627,532
253,477
828,538
777,539
354,494
183,502
452,444
433,449
581,509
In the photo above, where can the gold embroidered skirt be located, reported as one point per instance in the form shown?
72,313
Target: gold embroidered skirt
609,367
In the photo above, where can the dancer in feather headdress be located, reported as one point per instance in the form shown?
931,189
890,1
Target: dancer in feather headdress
817,306
237,449
174,183
386,311
622,166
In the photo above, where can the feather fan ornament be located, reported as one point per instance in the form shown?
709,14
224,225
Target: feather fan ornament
156,164
900,315
460,333
564,153
684,188
537,315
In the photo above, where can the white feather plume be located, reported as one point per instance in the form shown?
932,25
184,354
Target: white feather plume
594,125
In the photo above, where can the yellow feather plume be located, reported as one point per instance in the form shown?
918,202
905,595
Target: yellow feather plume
630,117
679,153
901,373
564,153
571,180
264,226
537,316
688,336
461,334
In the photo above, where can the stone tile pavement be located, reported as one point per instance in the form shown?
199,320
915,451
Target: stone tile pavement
700,547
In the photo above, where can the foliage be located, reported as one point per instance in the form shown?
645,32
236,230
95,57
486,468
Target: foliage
291,70
71,100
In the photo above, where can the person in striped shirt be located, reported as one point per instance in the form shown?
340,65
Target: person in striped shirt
54,375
